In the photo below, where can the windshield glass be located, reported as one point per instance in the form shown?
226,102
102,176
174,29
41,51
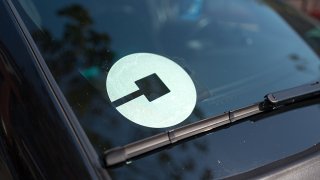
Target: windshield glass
207,57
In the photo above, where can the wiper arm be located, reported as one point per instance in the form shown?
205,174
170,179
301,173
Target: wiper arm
271,102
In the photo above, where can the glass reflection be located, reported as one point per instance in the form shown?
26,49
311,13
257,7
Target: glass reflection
236,51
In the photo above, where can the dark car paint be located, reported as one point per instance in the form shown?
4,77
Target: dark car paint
303,165
37,138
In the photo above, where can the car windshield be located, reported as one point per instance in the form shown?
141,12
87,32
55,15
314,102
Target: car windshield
211,56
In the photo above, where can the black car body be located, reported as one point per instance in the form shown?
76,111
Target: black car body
43,138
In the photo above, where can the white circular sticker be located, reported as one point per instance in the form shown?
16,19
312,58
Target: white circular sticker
151,90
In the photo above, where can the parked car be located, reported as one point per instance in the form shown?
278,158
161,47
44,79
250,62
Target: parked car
184,89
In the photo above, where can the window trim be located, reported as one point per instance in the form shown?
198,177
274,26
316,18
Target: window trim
57,96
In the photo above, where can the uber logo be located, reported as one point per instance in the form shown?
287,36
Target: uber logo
151,90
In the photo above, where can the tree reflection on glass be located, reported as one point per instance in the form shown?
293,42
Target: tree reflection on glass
234,56
79,61
80,51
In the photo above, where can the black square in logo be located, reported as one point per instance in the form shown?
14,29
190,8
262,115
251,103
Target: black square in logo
152,87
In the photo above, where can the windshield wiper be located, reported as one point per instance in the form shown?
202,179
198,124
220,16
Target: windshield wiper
271,102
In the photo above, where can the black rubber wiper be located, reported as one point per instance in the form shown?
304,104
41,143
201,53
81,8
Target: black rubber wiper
271,102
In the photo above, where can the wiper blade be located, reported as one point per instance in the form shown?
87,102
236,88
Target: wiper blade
271,102
294,94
